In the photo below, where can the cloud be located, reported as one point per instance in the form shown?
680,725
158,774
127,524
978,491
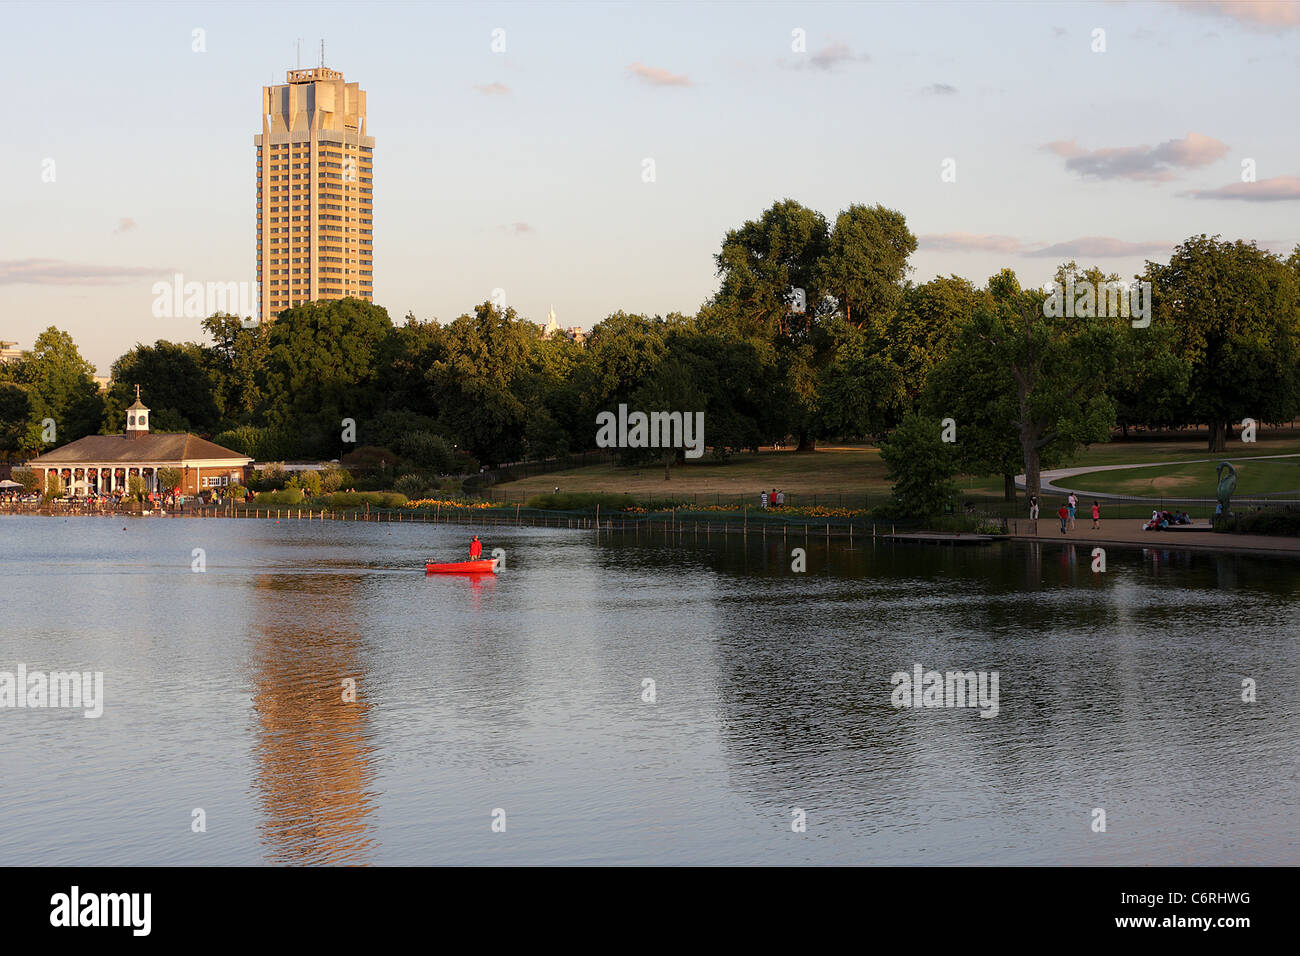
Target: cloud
1088,247
125,224
1142,163
658,77
1099,247
1277,189
493,89
1257,14
967,242
59,272
940,89
831,56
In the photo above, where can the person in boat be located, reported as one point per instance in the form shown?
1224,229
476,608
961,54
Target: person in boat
475,549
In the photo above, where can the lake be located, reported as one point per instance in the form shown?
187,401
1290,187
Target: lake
508,719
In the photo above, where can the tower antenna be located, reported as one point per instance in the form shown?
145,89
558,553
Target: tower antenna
322,53
299,44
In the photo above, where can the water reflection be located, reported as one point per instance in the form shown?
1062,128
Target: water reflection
314,761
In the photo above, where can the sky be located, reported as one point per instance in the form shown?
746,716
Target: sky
1009,134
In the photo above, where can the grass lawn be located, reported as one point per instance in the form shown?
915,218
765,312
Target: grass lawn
858,470
841,469
1193,480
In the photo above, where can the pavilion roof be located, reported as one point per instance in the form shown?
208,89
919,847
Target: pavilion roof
129,449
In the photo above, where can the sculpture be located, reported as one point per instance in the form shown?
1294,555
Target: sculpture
1227,485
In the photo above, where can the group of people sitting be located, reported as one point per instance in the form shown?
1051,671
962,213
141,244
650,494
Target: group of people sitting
1164,519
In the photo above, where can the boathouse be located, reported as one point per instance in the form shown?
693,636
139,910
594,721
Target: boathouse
102,464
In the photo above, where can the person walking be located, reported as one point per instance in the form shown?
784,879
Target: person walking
780,499
772,499
1033,507
1096,516
1064,514
762,499
1074,504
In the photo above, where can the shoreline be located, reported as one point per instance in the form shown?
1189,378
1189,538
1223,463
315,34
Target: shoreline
1044,531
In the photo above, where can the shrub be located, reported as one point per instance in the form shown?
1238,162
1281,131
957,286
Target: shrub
170,478
428,451
413,486
332,478
28,478
270,478
289,496
54,487
347,500
308,481
1272,521
921,466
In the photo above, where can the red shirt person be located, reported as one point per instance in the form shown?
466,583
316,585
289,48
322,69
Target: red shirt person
1064,515
475,548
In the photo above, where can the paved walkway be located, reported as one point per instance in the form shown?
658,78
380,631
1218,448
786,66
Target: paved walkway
1047,480
1126,532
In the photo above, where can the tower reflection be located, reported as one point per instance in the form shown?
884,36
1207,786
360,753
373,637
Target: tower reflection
314,760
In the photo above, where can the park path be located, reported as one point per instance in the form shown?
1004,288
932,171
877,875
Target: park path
1048,479
1122,532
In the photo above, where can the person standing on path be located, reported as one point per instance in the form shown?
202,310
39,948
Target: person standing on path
1096,516
1074,504
1064,514
1033,507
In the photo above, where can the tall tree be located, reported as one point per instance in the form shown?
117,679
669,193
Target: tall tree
322,369
1060,367
476,380
62,385
236,362
865,262
176,385
1234,311
769,269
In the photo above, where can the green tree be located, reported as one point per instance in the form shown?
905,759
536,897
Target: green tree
920,465
28,478
865,262
769,269
324,367
62,385
20,419
477,378
176,386
169,479
1234,312
1061,367
236,363
669,389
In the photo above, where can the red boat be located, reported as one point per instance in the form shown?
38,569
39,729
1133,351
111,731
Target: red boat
488,566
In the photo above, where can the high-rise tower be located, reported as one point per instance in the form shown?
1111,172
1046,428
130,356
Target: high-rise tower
315,225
